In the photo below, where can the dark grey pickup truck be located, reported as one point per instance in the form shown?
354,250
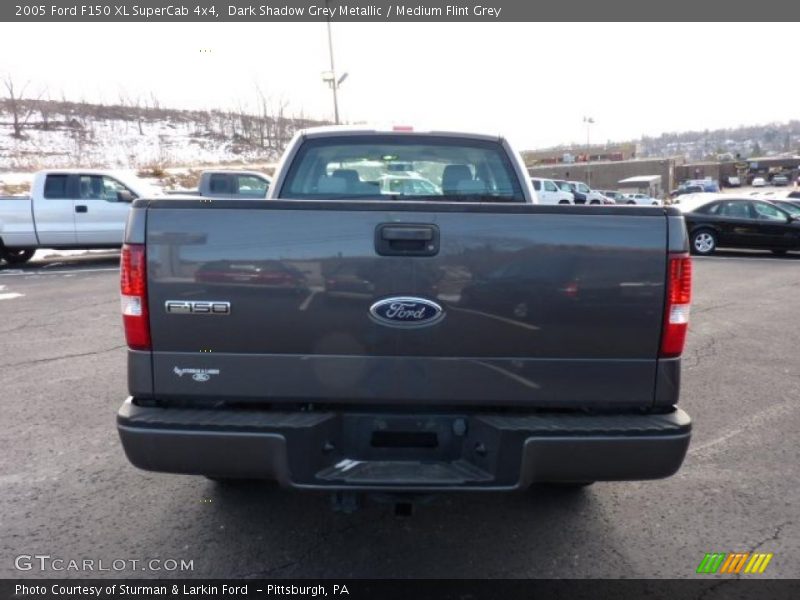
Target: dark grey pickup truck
401,316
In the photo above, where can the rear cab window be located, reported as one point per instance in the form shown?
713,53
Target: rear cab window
402,167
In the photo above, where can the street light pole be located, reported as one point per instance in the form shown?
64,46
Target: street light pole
589,122
334,83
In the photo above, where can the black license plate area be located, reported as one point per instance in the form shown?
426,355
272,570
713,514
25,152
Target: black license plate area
404,439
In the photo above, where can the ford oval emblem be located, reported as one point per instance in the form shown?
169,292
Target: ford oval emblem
406,311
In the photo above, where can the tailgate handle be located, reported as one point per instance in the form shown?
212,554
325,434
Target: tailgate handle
409,239
407,233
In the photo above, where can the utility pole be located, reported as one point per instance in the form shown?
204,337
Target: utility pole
589,122
333,82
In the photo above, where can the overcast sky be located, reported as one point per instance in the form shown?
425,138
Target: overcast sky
532,81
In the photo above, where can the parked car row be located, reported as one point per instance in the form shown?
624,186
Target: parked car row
556,191
775,180
88,208
695,186
641,200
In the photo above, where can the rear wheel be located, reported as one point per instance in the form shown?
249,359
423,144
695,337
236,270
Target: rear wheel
16,256
563,201
630,202
595,202
704,242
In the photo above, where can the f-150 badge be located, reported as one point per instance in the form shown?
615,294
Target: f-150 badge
189,307
406,311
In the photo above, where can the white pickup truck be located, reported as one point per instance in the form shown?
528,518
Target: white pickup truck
68,208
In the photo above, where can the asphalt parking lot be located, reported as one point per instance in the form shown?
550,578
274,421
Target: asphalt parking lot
67,491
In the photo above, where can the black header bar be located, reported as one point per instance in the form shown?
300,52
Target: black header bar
399,12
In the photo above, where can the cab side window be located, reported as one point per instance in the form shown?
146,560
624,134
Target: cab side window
220,184
90,187
251,186
55,187
99,187
112,188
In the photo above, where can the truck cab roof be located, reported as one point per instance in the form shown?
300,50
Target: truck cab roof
338,130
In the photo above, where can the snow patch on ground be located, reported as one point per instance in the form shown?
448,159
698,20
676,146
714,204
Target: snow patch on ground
45,253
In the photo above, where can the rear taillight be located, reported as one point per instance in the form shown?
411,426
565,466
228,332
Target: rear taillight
676,307
133,286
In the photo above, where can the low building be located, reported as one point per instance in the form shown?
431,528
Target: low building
580,154
769,166
642,184
745,169
702,170
607,175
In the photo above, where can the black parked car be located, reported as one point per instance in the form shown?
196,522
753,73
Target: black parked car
742,223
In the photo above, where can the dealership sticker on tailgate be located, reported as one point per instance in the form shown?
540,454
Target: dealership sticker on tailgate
197,374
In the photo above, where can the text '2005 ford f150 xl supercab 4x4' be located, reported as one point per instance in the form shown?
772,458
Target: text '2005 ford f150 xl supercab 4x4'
440,333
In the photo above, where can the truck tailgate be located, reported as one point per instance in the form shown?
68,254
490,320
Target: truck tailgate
541,306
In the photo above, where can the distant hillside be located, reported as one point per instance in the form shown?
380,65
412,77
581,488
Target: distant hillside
744,141
752,140
51,134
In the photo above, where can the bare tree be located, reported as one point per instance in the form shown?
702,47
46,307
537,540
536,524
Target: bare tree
279,120
64,108
136,105
261,107
272,126
20,110
155,103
